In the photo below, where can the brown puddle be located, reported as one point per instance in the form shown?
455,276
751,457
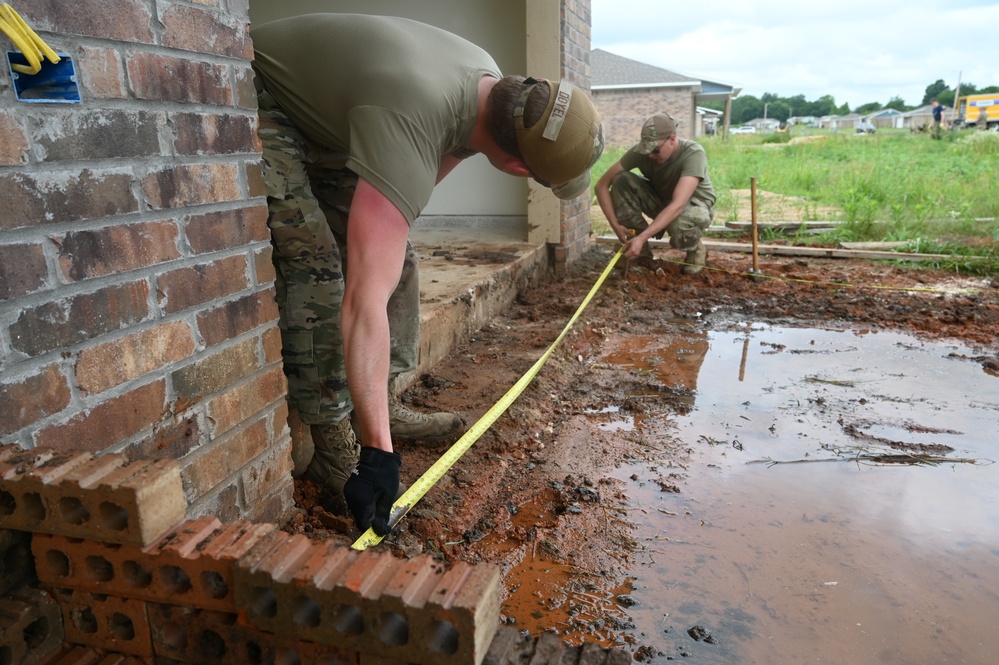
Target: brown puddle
838,504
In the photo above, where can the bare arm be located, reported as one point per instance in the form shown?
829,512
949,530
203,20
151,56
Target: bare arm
681,196
377,233
602,190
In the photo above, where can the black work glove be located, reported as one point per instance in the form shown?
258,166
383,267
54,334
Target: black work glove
370,491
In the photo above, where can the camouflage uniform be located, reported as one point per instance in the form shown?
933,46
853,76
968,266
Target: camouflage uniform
633,197
309,196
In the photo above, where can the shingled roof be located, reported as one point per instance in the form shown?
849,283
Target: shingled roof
614,71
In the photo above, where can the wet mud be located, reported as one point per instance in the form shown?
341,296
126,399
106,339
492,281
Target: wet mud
588,487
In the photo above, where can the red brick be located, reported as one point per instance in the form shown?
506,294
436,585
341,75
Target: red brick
172,439
101,72
22,270
30,626
106,622
270,472
213,134
272,345
100,134
195,29
210,374
255,180
188,287
29,399
244,90
79,318
17,566
107,365
228,229
116,249
223,460
191,184
245,400
163,78
237,317
31,200
110,422
263,266
14,148
131,20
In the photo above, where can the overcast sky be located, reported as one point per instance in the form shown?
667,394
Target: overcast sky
856,51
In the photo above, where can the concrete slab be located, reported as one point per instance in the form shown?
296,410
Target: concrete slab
468,274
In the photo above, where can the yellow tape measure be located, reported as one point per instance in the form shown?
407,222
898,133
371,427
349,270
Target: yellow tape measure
419,488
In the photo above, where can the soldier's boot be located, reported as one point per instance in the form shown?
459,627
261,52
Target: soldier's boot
411,425
337,452
696,259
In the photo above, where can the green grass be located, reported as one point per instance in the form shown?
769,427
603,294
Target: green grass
938,196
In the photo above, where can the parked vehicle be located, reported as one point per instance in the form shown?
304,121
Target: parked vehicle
973,109
866,127
745,129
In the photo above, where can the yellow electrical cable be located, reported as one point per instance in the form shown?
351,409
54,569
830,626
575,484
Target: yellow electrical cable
25,40
419,488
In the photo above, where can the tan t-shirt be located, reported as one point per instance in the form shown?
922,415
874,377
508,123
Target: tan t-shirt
393,94
690,159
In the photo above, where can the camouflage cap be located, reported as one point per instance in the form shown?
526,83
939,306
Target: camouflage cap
568,139
658,127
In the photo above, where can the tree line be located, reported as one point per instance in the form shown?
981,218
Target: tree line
770,105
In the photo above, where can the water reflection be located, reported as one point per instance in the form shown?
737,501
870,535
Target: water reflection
784,544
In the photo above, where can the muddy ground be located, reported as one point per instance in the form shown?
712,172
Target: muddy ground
535,459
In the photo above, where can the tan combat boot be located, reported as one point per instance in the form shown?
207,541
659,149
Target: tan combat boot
696,259
410,425
336,455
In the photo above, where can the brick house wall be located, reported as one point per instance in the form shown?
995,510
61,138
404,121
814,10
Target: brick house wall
575,215
137,309
625,110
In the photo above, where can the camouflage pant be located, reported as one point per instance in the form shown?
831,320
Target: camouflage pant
308,200
633,198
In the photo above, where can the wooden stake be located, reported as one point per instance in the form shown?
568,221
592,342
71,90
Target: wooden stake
756,256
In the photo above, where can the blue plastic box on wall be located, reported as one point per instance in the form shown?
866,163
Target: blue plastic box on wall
54,83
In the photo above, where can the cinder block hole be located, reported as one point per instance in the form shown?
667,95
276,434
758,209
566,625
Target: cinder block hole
263,603
348,620
306,612
34,508
174,579
16,559
113,516
57,563
73,510
173,636
211,645
136,575
6,656
98,568
286,656
393,629
121,627
8,504
254,654
442,638
37,632
84,620
214,585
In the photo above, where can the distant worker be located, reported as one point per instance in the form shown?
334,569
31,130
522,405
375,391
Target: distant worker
673,190
938,118
983,117
360,117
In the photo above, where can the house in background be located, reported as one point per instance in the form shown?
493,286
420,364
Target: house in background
885,118
710,120
764,125
921,118
627,92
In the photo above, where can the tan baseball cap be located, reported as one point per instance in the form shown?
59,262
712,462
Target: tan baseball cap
658,127
568,139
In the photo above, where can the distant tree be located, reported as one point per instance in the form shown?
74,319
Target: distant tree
869,107
824,105
989,89
844,109
935,90
797,105
897,104
779,110
745,109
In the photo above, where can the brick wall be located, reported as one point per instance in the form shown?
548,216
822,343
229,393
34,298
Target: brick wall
575,214
136,290
625,111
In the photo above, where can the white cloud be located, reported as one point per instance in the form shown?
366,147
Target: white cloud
855,50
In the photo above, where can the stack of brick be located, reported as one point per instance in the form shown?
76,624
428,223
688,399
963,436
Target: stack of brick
120,570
